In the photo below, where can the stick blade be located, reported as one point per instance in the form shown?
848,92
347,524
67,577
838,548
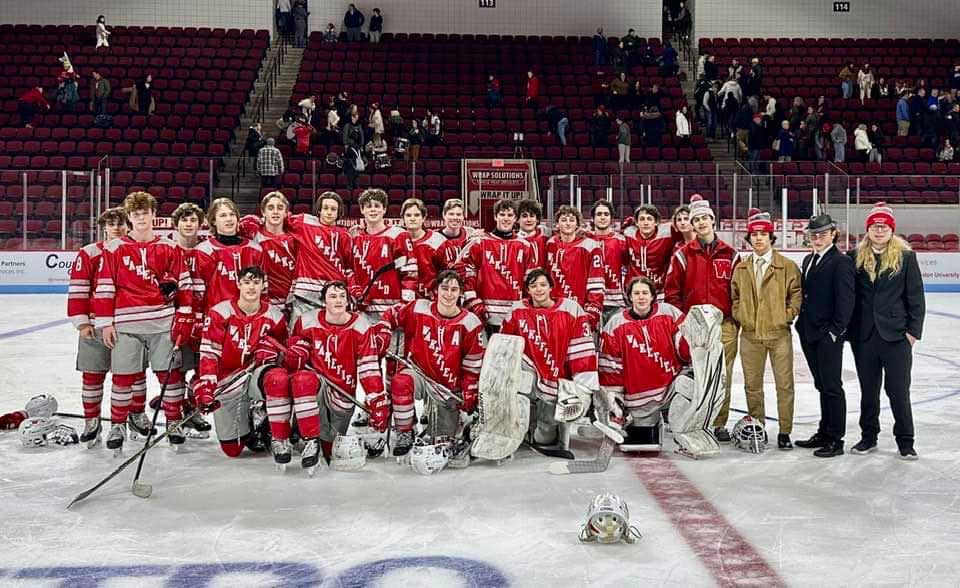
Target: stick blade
559,469
142,489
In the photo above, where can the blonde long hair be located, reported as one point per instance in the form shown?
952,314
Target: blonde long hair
891,259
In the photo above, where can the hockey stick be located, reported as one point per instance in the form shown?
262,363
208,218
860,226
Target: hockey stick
588,466
73,415
549,452
433,383
356,302
343,394
141,489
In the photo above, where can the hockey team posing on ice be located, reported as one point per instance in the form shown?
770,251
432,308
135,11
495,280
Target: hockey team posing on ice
282,326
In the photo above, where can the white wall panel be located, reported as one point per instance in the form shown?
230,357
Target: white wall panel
237,14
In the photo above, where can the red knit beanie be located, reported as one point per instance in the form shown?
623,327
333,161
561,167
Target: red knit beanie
758,220
881,213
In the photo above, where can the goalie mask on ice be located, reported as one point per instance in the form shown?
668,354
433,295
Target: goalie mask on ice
749,434
42,405
427,459
608,521
33,431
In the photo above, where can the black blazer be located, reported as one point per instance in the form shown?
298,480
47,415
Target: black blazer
894,305
828,296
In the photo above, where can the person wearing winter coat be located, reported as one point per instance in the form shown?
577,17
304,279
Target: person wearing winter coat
376,26
300,14
846,81
865,80
31,102
785,142
141,96
254,141
533,89
839,137
99,94
353,21
861,142
683,125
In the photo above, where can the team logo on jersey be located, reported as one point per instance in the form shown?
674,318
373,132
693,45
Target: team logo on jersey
723,268
282,260
141,269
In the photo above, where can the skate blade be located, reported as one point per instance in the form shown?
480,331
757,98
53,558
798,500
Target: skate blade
505,460
195,434
280,467
311,471
93,443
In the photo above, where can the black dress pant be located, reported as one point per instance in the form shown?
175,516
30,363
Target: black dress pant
825,358
889,363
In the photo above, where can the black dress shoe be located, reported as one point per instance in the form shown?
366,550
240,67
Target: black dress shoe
864,446
831,449
783,441
814,442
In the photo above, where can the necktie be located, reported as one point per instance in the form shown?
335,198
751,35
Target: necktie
813,264
758,266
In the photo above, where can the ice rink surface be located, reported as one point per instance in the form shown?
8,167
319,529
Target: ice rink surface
780,518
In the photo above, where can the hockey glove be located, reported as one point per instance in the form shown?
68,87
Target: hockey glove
182,328
608,408
469,399
197,333
480,309
12,420
168,288
298,355
203,392
379,411
269,351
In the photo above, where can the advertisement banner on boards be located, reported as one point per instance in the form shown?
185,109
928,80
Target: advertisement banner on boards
484,181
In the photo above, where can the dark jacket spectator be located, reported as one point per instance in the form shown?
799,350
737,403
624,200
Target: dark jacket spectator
353,133
353,21
254,141
99,94
599,128
376,26
599,48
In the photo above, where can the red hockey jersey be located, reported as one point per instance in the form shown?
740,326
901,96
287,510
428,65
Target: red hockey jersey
494,269
217,267
616,259
279,257
559,344
649,258
342,354
323,254
449,251
701,276
128,294
577,271
425,252
639,358
448,350
374,251
538,239
230,337
83,280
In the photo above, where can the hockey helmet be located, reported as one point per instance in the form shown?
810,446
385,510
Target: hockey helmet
349,453
33,431
427,459
608,521
750,435
42,405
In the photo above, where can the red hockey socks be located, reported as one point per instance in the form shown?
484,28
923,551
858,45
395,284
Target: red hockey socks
401,394
276,389
173,396
92,394
121,391
304,386
139,400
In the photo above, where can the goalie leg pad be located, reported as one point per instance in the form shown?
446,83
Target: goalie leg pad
504,412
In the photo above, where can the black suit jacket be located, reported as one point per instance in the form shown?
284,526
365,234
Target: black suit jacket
894,305
828,296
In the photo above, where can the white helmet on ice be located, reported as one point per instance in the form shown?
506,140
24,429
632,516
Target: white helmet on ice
349,453
34,430
42,405
427,459
750,435
608,521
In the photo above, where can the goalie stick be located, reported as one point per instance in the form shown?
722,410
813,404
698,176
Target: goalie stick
549,451
588,466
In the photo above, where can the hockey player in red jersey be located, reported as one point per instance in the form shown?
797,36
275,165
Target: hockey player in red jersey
137,317
529,219
558,344
324,253
238,334
279,247
455,235
615,257
444,344
649,254
220,257
93,357
494,266
377,246
575,263
426,245
700,273
641,353
330,352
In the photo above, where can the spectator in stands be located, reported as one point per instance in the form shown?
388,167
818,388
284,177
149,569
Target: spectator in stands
934,97
734,70
99,94
812,119
683,126
839,137
821,141
918,105
654,97
599,127
755,82
623,140
68,84
669,58
303,132
353,21
878,140
376,146
269,164
300,14
375,121
353,164
619,91
533,90
648,56
798,110
930,127
630,44
784,143
376,26
352,133
846,81
31,102
559,123
903,114
710,69
618,56
331,128
756,141
254,141
102,33
330,35
432,129
742,122
599,88
863,146
141,96
865,81
599,47
770,107
283,17
955,77
683,22
653,126
951,123
710,111
415,136
701,65
494,92
946,152
881,89
397,128
342,102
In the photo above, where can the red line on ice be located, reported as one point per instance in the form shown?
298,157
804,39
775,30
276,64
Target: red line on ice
727,554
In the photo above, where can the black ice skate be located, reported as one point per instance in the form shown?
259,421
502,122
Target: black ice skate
310,456
641,439
91,432
196,427
403,442
116,437
281,449
140,426
175,435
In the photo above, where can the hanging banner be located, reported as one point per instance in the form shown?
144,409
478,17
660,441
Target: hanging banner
484,181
